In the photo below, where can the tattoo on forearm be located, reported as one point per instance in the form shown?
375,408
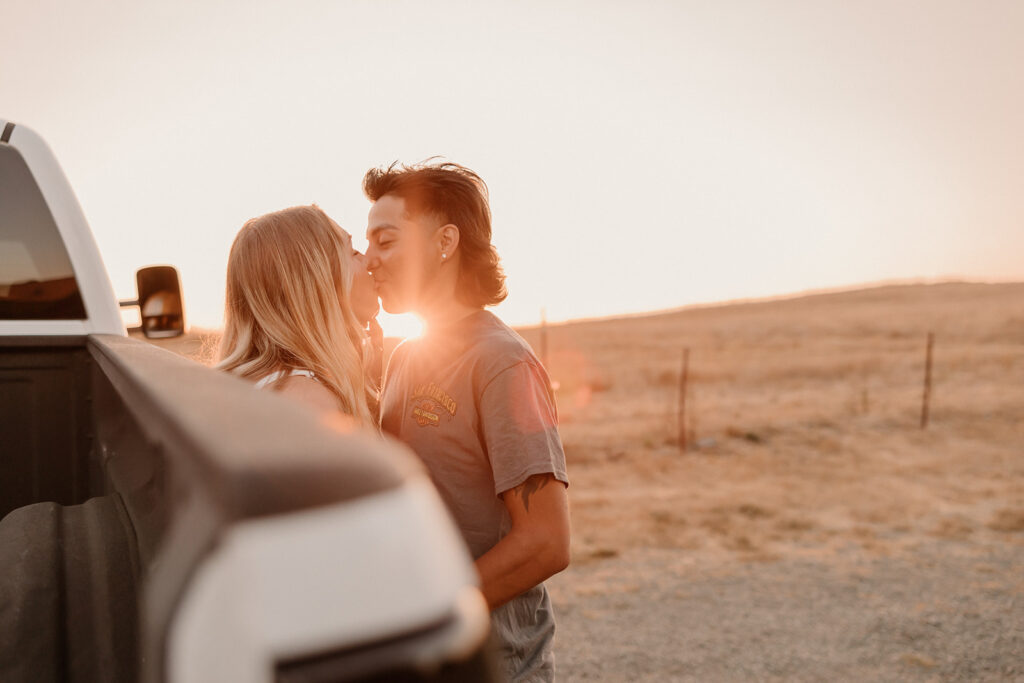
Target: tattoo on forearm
531,486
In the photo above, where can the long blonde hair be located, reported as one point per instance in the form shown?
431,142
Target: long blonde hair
288,307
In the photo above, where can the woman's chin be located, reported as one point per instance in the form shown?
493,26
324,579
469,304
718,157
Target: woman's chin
364,314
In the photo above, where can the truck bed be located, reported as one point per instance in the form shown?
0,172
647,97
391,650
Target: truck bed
45,398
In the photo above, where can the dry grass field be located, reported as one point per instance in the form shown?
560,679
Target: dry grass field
802,420
812,530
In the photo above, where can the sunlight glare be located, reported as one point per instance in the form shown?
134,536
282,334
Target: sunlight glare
404,326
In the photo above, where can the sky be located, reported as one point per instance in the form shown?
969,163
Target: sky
640,155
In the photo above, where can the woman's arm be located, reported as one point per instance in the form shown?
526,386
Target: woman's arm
536,548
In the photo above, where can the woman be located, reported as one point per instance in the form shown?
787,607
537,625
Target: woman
298,303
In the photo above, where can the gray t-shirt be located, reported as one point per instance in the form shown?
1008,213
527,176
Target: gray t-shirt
476,405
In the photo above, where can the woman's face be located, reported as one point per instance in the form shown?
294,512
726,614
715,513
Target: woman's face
363,296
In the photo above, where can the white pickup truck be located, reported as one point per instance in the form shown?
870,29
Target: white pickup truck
162,521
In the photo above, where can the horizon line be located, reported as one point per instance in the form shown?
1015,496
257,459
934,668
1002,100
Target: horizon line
739,301
800,294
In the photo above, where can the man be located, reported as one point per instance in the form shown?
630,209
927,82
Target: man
470,397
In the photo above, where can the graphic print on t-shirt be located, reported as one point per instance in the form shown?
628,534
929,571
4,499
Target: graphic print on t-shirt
428,401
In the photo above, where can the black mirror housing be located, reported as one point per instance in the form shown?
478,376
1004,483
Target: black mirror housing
160,301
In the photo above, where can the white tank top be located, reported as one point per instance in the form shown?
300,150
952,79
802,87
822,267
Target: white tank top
274,376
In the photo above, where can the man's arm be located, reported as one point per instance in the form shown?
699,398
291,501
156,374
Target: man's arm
536,548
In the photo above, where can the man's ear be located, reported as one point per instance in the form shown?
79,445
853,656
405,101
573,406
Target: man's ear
449,239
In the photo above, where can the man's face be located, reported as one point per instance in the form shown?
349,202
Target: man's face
402,254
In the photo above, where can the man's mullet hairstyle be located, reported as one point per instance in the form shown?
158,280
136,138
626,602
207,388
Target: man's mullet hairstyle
456,195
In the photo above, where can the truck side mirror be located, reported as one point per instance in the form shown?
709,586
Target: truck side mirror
160,301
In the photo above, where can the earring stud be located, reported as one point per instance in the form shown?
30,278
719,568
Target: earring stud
444,256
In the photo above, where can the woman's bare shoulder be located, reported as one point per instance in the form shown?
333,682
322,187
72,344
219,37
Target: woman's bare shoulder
309,391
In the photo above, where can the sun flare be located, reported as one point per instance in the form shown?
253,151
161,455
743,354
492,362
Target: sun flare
404,326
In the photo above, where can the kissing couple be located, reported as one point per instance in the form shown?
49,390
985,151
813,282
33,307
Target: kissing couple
469,396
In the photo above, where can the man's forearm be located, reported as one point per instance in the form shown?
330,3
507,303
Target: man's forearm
516,564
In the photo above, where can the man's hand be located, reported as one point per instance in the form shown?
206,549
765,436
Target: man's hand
536,548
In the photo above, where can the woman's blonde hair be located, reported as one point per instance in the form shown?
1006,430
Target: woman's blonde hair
288,306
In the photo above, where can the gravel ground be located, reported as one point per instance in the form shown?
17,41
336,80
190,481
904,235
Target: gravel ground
947,612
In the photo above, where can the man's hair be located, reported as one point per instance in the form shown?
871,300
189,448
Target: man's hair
456,195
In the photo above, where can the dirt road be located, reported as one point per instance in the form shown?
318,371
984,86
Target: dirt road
948,612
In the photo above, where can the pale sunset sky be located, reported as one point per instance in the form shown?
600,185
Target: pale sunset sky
640,155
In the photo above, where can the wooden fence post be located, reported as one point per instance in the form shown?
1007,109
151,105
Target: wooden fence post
682,399
926,398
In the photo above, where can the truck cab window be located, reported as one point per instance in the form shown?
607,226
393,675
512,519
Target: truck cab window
37,281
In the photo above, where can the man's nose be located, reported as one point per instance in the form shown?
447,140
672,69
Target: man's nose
371,261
